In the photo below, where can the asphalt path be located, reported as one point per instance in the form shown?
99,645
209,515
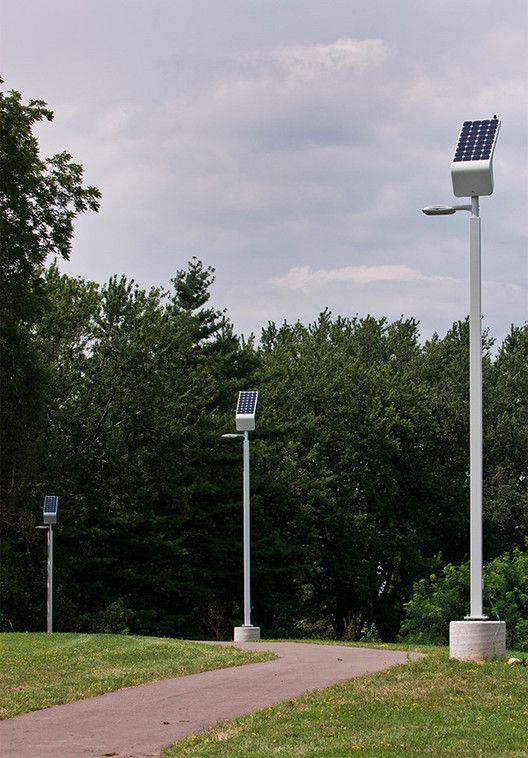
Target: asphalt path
142,721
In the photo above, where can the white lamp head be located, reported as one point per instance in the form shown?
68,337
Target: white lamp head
49,512
438,210
245,411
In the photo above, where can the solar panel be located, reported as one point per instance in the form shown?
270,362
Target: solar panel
247,402
476,140
471,169
51,504
245,411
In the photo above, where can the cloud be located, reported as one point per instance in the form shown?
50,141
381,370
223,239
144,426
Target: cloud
307,62
304,277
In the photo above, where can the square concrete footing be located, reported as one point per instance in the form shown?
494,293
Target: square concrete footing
477,640
246,633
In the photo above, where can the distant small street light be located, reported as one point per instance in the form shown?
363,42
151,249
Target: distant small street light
245,422
49,516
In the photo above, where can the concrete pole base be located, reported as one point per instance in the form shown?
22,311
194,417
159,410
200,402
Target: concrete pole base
246,633
475,640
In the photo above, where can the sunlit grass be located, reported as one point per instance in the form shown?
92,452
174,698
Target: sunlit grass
431,707
39,670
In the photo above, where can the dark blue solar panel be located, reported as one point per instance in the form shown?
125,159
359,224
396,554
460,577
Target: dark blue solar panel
51,503
247,402
476,139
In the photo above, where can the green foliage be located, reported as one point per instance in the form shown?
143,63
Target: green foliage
443,597
309,630
140,390
39,200
521,633
112,619
506,445
435,602
371,634
359,467
115,398
506,594
343,426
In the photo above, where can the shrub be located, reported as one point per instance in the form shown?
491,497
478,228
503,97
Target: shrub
521,632
112,620
371,634
442,598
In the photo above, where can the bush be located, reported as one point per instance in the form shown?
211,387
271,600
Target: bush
443,598
309,629
506,587
371,634
521,632
112,620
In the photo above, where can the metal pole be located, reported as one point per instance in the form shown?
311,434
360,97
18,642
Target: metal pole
50,580
475,404
247,578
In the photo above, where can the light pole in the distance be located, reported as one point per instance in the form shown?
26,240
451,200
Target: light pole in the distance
475,638
245,422
49,516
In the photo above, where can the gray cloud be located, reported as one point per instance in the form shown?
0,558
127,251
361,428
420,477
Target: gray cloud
271,136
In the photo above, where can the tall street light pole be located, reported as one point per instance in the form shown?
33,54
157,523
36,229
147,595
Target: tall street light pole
49,516
50,580
247,532
475,413
245,422
475,399
475,638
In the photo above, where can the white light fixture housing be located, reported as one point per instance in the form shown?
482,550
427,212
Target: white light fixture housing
49,513
471,167
245,411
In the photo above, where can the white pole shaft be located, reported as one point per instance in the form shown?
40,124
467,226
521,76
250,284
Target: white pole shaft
475,404
247,574
50,580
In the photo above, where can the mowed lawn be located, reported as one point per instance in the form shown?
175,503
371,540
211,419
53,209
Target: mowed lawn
39,670
431,707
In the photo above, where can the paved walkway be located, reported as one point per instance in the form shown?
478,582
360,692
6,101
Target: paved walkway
142,721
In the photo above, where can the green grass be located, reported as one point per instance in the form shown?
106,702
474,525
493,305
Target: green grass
39,670
431,707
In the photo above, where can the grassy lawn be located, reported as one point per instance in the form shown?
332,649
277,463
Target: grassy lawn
39,670
431,707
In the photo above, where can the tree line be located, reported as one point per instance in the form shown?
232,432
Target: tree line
115,398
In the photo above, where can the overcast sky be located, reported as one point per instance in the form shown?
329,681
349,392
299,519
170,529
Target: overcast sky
288,143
